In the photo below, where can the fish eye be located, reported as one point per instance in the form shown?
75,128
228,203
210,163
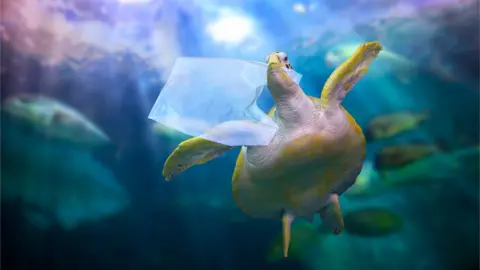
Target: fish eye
286,58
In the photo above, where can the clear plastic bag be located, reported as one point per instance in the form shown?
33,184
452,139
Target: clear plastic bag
216,99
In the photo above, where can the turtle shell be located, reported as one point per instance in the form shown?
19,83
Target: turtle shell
308,169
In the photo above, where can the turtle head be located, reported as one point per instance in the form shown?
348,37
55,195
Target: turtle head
278,57
280,83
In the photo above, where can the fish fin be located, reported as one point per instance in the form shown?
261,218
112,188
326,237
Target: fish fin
331,214
287,220
191,152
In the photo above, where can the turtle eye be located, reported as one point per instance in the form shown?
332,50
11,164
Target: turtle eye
286,58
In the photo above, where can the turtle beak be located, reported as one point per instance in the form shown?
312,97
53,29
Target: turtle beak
273,59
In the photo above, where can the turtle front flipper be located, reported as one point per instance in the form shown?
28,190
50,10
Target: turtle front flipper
216,141
331,214
192,152
345,76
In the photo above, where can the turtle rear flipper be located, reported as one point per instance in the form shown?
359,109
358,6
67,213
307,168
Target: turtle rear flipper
331,214
191,152
287,220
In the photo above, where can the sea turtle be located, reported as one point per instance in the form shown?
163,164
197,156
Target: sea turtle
314,157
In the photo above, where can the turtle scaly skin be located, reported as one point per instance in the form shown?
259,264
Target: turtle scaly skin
315,156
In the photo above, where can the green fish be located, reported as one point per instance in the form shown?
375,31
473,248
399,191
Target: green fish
54,120
432,169
400,155
372,222
389,125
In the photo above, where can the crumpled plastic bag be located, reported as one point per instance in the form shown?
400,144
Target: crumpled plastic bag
216,99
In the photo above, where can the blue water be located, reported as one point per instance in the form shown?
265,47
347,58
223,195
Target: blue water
66,206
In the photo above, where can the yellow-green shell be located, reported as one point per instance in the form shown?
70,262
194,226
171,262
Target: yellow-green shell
271,193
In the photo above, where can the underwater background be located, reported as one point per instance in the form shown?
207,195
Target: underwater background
81,163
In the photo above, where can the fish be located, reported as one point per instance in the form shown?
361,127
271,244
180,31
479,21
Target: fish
54,183
397,156
54,120
372,222
389,125
433,169
437,167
